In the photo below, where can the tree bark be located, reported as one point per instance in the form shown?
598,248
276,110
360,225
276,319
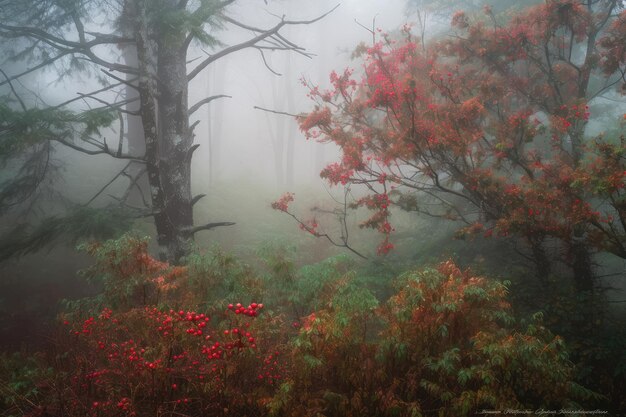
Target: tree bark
175,146
168,137
543,264
581,264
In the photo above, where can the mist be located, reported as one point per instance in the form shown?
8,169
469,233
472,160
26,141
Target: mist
369,178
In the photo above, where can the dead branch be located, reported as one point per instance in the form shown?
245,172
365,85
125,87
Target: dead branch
276,111
204,101
253,41
208,226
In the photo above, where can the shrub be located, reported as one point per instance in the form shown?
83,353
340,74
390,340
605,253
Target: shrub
162,340
147,361
446,345
134,350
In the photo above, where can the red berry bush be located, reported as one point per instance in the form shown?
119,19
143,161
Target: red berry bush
148,361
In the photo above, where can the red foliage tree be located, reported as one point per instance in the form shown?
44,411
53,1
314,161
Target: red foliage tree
489,124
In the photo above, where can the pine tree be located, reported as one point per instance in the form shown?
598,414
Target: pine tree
155,37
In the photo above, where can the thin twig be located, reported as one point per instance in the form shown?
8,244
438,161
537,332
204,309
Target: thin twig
276,111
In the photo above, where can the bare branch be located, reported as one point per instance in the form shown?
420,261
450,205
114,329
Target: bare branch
114,105
326,236
265,62
17,96
253,41
207,100
193,126
121,80
197,198
101,151
81,96
134,183
276,111
111,181
208,226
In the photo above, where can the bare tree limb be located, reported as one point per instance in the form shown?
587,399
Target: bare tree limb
326,236
265,62
197,198
17,96
111,181
134,183
114,105
251,42
207,100
101,151
121,80
276,111
81,96
208,226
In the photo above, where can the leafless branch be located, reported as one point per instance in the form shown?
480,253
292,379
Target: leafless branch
134,184
344,243
111,181
270,69
208,226
17,96
129,83
197,198
104,150
276,111
116,106
253,41
81,96
204,101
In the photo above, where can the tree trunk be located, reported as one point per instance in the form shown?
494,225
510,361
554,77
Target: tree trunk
175,148
168,138
290,133
278,137
581,264
543,265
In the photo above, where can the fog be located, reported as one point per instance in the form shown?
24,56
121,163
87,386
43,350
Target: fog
479,188
244,139
247,136
244,134
243,176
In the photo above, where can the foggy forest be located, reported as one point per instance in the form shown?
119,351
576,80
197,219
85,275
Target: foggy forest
312,208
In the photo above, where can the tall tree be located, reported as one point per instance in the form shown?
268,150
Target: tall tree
68,36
